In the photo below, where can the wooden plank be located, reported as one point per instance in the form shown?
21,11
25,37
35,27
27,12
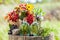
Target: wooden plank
34,38
14,37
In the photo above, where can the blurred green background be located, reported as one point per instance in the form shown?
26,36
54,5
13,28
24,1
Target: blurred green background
51,7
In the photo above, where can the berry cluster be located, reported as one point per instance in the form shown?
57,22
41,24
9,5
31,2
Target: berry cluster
13,16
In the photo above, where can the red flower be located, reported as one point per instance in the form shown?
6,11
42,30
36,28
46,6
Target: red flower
22,6
30,19
13,16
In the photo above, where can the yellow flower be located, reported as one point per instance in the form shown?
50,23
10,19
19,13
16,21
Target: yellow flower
29,7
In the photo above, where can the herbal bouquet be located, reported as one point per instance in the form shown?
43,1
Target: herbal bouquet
26,19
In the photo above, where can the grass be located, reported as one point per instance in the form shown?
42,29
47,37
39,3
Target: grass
52,26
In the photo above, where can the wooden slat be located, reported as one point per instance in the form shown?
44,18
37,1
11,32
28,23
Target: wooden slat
14,37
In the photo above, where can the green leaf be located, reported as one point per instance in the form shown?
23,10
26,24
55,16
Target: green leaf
24,28
43,13
23,14
34,28
39,11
